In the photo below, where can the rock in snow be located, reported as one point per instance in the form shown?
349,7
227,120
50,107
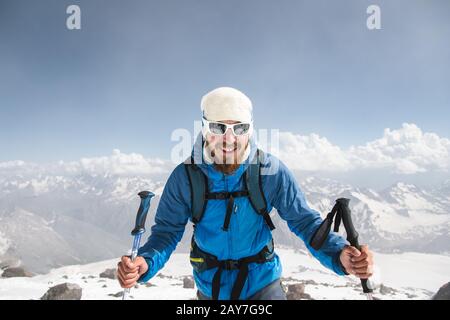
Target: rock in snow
16,272
188,282
443,293
297,292
109,274
386,290
116,295
64,291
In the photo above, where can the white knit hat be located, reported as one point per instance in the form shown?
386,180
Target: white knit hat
226,103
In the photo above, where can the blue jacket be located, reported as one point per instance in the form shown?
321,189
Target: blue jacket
247,233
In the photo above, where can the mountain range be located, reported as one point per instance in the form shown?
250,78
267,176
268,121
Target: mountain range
51,220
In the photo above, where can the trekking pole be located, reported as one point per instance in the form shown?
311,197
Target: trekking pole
352,237
139,228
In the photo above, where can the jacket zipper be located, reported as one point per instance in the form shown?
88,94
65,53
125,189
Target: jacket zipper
229,232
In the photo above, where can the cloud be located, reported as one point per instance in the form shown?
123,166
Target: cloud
311,153
122,164
18,167
117,163
407,150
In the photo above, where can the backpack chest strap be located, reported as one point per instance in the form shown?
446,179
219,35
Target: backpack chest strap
225,195
230,204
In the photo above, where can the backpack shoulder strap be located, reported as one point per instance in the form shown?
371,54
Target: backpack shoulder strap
198,183
253,183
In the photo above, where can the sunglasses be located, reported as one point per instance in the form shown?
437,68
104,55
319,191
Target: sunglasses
220,128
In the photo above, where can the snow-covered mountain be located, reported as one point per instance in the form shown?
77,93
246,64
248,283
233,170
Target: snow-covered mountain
402,217
50,220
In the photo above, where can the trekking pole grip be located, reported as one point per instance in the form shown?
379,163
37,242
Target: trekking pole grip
352,234
141,215
139,228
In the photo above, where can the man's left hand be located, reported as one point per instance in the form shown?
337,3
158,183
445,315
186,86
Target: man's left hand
356,262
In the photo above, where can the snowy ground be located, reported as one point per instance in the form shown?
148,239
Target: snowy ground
409,275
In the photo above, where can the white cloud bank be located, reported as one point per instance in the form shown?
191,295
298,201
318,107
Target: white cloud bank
311,153
407,150
117,163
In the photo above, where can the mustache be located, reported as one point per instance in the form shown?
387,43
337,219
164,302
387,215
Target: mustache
224,144
229,145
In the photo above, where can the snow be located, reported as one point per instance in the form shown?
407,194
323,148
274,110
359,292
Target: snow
412,275
87,277
387,219
417,270
4,243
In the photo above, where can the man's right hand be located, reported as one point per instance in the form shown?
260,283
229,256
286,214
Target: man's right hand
128,272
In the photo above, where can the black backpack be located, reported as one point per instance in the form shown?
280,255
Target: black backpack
200,194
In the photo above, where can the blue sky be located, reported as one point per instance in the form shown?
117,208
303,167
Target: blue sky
136,72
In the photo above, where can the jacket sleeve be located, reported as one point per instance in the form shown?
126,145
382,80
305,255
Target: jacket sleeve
170,222
291,205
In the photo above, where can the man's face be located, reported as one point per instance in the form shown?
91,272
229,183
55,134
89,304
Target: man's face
227,148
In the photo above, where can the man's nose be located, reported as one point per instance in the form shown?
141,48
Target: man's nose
229,136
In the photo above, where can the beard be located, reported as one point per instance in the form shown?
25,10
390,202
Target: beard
224,165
